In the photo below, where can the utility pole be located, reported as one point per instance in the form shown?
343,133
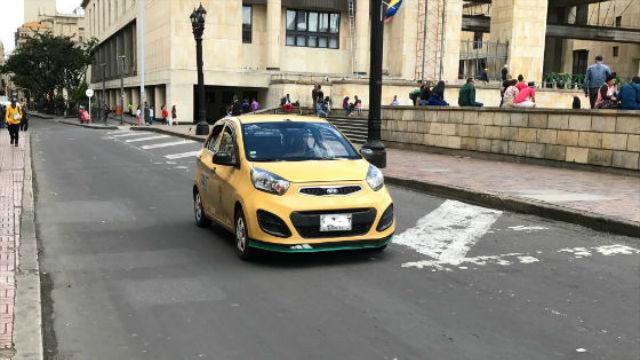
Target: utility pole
123,60
140,30
373,150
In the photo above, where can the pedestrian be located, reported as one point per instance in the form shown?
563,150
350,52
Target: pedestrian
106,112
327,105
286,104
608,94
346,106
521,84
314,95
139,116
630,95
467,95
2,114
505,84
13,117
510,94
151,115
174,115
320,94
146,113
437,95
595,77
484,76
395,101
357,104
505,72
130,107
84,115
319,107
24,124
165,115
526,98
255,105
425,94
245,107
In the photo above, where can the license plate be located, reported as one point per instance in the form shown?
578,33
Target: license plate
335,222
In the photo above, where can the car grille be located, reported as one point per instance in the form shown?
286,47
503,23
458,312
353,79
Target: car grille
307,223
330,190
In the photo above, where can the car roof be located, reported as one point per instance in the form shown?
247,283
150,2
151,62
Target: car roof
258,118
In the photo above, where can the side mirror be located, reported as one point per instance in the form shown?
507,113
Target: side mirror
223,158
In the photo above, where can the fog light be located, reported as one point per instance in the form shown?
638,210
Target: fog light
386,220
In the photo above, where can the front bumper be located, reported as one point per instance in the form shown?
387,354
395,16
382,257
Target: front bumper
293,210
322,247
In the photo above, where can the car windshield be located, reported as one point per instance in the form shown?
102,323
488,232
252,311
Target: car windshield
295,141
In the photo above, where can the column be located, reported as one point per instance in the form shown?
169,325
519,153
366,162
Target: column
524,25
274,38
363,24
452,38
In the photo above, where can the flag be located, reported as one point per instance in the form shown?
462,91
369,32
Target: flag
392,8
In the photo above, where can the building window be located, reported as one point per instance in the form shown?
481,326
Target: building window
616,51
313,29
618,21
477,40
246,23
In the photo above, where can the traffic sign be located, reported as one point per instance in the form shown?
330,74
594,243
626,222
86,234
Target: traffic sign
89,92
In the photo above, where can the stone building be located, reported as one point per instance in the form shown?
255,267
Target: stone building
41,16
268,48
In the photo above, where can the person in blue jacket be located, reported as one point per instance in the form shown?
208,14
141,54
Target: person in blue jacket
629,95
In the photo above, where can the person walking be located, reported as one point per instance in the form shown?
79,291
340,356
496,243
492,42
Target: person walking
505,72
630,95
467,95
24,124
174,115
255,105
2,114
595,77
608,94
165,115
13,117
151,115
527,97
146,113
139,116
320,108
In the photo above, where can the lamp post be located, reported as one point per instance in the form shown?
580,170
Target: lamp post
197,23
373,150
104,92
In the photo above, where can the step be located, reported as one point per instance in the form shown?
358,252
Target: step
352,127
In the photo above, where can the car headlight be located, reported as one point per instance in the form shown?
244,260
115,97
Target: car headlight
269,182
375,179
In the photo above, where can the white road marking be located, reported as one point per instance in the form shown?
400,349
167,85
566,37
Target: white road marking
148,138
129,134
118,132
447,233
527,228
182,155
605,250
161,145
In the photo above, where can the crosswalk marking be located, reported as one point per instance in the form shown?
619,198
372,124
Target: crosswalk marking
161,145
182,155
129,134
148,138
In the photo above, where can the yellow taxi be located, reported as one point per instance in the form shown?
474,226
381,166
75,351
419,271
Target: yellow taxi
290,183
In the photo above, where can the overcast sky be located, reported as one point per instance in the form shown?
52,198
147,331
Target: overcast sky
13,16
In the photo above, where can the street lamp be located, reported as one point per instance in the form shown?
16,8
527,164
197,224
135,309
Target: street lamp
373,150
197,23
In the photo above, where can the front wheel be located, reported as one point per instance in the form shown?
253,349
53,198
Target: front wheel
244,251
201,218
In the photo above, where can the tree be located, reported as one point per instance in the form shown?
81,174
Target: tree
46,64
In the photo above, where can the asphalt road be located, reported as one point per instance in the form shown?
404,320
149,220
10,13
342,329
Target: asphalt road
128,275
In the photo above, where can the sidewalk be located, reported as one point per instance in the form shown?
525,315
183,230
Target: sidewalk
598,200
20,319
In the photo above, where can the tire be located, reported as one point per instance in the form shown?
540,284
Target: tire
244,251
201,218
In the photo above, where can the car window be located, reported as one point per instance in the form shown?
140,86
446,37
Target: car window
211,145
226,143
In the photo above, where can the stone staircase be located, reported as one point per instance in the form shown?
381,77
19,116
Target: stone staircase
355,129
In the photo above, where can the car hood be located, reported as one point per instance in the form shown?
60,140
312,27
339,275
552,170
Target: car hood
317,171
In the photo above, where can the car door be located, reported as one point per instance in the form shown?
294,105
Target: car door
225,181
207,169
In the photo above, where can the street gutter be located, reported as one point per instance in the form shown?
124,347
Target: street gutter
503,202
88,126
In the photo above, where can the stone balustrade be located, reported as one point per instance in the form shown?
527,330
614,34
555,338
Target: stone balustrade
602,138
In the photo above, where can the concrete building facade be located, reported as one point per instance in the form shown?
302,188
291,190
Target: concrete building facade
41,16
267,48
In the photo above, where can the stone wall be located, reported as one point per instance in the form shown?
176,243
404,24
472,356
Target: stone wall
606,138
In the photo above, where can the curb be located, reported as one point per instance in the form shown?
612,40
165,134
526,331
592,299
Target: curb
519,205
503,202
40,116
88,126
200,138
28,308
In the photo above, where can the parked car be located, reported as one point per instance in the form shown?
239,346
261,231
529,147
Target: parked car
290,183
